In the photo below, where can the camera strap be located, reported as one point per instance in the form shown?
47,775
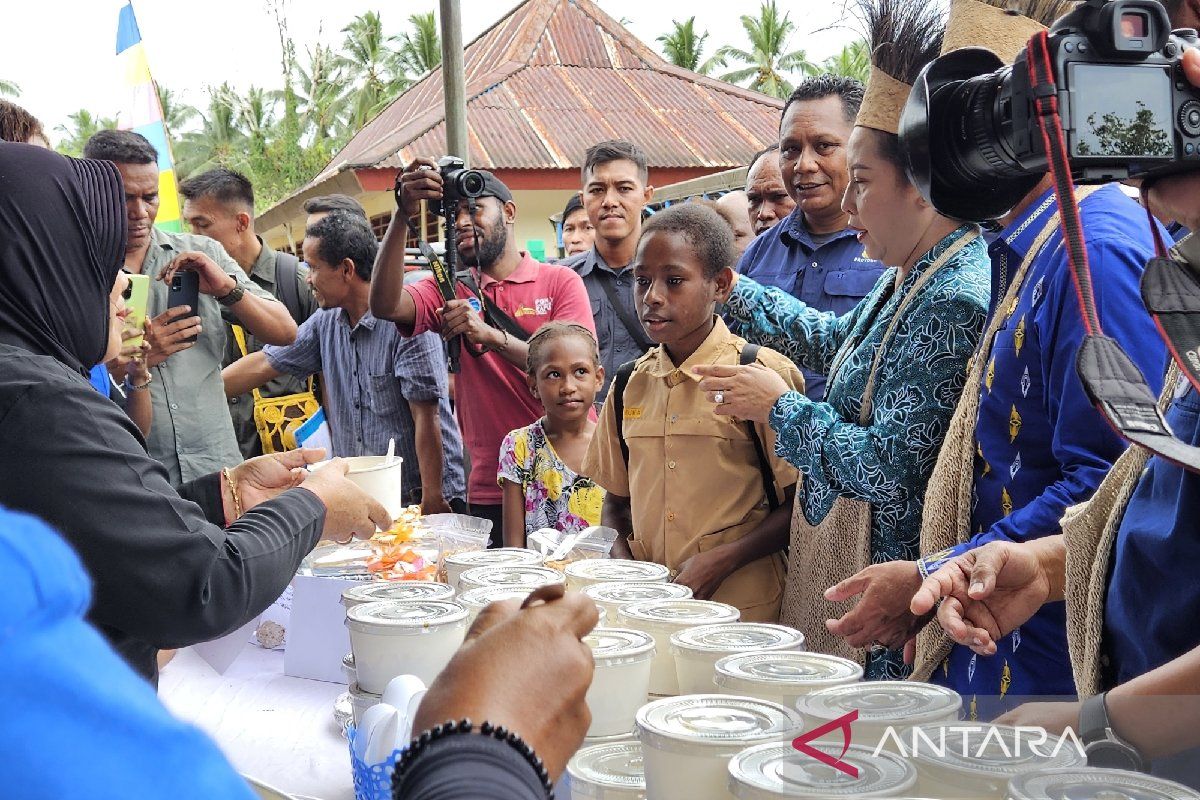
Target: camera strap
1171,293
1113,382
445,284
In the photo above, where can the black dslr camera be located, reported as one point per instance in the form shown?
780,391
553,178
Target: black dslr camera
458,184
970,129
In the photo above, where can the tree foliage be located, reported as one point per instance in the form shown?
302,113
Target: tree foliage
768,60
684,48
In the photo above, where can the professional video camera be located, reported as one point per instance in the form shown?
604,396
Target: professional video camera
970,127
458,184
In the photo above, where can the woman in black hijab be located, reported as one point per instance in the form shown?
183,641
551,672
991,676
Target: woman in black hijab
167,573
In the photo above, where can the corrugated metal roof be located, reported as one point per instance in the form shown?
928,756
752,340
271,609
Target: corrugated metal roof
552,78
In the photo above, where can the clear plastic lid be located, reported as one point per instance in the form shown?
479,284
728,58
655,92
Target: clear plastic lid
621,592
785,667
499,555
611,646
481,596
674,723
994,751
678,612
616,569
530,577
884,702
732,637
610,766
397,590
1093,783
404,616
772,771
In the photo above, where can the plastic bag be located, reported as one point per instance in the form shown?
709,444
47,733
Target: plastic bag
560,549
456,540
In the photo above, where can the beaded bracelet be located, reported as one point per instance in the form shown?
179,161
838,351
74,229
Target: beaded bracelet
450,728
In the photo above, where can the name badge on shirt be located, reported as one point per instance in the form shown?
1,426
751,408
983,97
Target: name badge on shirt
633,413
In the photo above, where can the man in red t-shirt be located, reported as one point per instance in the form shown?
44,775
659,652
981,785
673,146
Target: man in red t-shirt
491,394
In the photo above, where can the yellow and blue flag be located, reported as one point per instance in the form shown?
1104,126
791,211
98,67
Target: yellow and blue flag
146,115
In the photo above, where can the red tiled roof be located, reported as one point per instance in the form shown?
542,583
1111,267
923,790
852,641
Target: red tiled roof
552,78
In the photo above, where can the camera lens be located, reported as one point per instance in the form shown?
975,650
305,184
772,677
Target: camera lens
470,183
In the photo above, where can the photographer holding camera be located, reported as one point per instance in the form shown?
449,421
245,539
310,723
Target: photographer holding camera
501,297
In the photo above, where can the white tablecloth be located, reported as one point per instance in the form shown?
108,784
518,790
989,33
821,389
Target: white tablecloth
274,728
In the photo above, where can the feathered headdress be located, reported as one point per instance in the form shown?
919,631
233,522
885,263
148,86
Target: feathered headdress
903,36
1002,26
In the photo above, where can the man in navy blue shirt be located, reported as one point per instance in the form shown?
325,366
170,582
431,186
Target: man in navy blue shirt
812,254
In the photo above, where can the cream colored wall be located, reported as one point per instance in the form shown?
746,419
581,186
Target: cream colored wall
534,208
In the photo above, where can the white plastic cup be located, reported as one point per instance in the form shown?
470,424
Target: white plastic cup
527,577
1095,783
373,591
975,761
660,619
413,637
783,676
687,741
612,595
458,563
622,676
885,709
589,571
697,650
377,478
780,772
608,772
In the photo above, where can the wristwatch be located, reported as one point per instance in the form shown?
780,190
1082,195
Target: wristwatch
235,295
1101,744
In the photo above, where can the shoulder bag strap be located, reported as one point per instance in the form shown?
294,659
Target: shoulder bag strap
632,326
620,381
239,335
287,273
749,356
493,314
864,415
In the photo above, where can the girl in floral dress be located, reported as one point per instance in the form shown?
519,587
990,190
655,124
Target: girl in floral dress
539,464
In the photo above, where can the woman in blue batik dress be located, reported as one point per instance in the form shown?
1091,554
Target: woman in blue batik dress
926,313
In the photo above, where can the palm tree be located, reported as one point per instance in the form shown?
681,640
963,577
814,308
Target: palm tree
219,142
684,48
83,124
371,65
768,58
421,50
9,88
322,94
176,113
256,115
852,62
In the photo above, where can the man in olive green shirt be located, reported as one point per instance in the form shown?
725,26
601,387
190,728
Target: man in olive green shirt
192,434
219,203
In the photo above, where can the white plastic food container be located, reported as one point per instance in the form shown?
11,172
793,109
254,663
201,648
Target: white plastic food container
975,761
361,700
398,637
608,772
884,708
527,577
782,676
455,565
373,591
697,650
589,571
1094,783
779,772
660,619
375,476
687,741
612,595
621,679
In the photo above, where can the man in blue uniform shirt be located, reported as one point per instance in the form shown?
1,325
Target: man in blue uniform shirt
812,254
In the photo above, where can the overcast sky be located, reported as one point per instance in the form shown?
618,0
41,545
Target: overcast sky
62,53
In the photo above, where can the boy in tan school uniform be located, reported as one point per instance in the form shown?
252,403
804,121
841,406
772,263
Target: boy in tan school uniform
691,494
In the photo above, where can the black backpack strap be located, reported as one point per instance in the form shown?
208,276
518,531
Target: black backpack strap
492,313
618,400
749,356
287,274
632,326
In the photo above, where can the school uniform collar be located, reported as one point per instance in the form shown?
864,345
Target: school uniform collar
714,346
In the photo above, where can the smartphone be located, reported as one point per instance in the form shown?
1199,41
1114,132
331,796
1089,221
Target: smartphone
185,291
137,294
